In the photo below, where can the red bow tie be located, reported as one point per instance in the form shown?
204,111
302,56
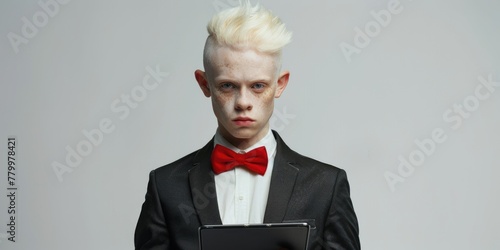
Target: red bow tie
224,159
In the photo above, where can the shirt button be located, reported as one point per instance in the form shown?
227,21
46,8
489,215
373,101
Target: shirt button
241,197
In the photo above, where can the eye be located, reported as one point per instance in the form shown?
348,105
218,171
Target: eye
258,86
226,86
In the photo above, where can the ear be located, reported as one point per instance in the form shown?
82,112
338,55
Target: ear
282,83
201,78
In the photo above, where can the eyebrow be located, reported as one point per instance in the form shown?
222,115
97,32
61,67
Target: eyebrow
224,79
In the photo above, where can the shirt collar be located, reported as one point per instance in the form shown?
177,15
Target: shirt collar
267,141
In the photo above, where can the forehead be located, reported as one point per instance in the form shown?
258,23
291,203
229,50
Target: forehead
242,63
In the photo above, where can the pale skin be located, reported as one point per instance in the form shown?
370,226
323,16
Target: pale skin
242,84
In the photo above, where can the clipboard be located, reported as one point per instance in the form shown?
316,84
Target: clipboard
272,236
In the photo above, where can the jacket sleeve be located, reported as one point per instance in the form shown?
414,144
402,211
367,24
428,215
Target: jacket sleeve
341,228
151,231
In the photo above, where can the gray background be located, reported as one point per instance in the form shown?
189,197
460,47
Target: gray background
361,115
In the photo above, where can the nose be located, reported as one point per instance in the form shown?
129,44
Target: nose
243,101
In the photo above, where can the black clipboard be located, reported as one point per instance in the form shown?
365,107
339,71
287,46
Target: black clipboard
273,236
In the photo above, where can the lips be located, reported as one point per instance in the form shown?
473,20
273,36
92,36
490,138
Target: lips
243,121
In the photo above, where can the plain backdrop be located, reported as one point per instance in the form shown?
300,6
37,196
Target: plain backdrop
66,69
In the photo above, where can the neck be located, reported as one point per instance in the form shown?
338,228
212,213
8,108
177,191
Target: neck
243,142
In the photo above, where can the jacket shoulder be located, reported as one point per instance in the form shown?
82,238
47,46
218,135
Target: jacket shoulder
306,163
302,162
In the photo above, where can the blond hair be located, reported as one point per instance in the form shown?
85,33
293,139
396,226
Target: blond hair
247,26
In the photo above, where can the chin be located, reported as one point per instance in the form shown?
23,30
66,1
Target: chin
242,133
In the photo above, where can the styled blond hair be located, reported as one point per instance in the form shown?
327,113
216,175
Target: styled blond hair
247,26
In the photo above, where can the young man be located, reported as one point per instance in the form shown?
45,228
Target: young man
246,173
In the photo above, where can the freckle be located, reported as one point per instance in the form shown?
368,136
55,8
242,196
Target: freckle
229,66
225,98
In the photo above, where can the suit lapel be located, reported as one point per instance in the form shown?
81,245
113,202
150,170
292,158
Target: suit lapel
201,181
282,183
204,197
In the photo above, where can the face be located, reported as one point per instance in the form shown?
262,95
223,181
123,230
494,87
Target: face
242,85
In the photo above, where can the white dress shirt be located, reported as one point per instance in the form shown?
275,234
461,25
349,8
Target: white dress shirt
242,194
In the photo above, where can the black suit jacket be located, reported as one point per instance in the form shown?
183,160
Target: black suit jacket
181,197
